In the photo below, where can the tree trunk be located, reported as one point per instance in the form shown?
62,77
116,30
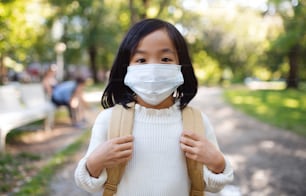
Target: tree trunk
2,70
145,4
293,79
163,4
143,15
133,16
92,51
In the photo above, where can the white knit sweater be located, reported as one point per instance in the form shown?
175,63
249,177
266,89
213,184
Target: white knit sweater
158,166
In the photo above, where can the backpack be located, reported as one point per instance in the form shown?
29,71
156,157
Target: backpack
122,124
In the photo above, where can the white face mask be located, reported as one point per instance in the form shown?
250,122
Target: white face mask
153,83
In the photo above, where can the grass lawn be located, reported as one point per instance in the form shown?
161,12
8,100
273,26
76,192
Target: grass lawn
282,108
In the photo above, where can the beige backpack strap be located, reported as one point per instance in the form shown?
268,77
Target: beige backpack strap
121,124
192,120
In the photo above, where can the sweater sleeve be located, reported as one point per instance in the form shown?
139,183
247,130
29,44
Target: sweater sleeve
216,182
98,136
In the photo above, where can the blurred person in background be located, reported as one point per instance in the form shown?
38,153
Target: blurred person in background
70,94
49,80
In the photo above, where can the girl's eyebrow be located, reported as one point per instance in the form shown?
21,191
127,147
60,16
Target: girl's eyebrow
164,50
168,50
140,52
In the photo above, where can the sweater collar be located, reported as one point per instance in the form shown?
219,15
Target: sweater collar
160,112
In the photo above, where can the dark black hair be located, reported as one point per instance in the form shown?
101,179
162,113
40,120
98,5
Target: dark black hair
116,92
80,80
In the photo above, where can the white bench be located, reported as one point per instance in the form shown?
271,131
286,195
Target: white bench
21,104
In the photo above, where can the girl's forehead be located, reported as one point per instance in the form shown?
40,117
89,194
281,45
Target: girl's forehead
158,39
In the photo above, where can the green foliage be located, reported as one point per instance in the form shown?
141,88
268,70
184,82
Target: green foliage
283,108
21,26
290,46
237,39
207,69
90,32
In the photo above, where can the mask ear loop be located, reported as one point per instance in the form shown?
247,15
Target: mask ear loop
176,95
134,97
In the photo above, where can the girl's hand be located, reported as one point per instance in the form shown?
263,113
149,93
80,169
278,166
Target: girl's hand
110,154
198,147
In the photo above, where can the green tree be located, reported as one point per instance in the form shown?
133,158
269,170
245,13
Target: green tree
96,26
290,46
88,27
235,38
21,26
147,8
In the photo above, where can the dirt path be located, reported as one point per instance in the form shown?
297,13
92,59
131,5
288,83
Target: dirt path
267,161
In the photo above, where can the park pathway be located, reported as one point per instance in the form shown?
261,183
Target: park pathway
267,161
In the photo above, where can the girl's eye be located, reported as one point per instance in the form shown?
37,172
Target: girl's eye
140,60
166,59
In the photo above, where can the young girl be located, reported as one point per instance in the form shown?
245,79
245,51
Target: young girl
154,70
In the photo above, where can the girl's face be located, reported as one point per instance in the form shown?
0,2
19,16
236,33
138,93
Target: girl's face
157,48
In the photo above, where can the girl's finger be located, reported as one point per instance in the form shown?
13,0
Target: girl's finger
122,160
187,141
124,154
191,156
124,139
191,134
186,148
125,146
